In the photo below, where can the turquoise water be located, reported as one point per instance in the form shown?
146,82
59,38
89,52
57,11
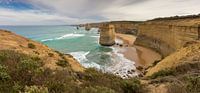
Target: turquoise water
68,39
83,45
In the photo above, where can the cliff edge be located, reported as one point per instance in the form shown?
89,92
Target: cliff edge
11,41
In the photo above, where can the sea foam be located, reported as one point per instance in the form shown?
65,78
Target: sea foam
81,57
121,66
72,35
69,36
95,36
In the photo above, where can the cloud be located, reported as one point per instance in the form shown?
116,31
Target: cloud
82,11
152,9
32,17
81,8
120,9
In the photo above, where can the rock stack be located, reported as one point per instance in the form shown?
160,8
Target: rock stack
107,35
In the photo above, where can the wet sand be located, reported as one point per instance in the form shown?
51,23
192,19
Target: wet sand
140,55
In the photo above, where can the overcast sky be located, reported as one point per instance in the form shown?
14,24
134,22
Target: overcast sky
60,12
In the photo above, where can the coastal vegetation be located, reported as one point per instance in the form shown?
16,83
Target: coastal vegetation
23,73
31,45
176,17
161,73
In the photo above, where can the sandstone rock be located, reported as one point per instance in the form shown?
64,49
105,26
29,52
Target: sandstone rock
107,35
166,38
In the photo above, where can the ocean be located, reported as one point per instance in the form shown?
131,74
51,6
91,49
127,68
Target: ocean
82,44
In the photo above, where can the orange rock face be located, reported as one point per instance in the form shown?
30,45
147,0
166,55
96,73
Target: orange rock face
107,35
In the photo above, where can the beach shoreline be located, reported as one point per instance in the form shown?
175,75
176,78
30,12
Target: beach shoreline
143,57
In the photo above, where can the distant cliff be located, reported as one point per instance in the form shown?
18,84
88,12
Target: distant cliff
124,27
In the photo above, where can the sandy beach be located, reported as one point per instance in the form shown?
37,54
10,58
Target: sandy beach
140,55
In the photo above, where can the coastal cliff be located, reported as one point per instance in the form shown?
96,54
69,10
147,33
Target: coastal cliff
166,35
164,38
177,40
123,27
126,27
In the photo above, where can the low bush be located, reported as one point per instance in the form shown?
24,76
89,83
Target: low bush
97,89
50,54
36,89
21,69
62,63
131,86
192,84
162,73
4,76
23,73
155,62
31,45
60,54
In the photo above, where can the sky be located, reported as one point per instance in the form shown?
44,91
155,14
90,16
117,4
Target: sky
65,12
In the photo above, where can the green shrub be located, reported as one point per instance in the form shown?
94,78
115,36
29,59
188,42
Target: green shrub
60,81
62,63
31,45
36,52
131,86
60,54
162,73
36,89
24,73
155,62
193,84
4,76
56,87
17,88
92,77
29,65
97,89
11,55
50,54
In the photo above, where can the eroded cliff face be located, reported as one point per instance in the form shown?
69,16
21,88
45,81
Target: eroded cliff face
126,27
123,27
107,35
165,38
178,42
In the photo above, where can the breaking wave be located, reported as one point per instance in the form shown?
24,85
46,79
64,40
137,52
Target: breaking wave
81,57
121,66
72,35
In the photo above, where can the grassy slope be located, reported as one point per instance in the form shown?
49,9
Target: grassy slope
188,54
177,73
11,41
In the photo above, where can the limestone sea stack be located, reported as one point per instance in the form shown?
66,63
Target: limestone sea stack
88,27
107,35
